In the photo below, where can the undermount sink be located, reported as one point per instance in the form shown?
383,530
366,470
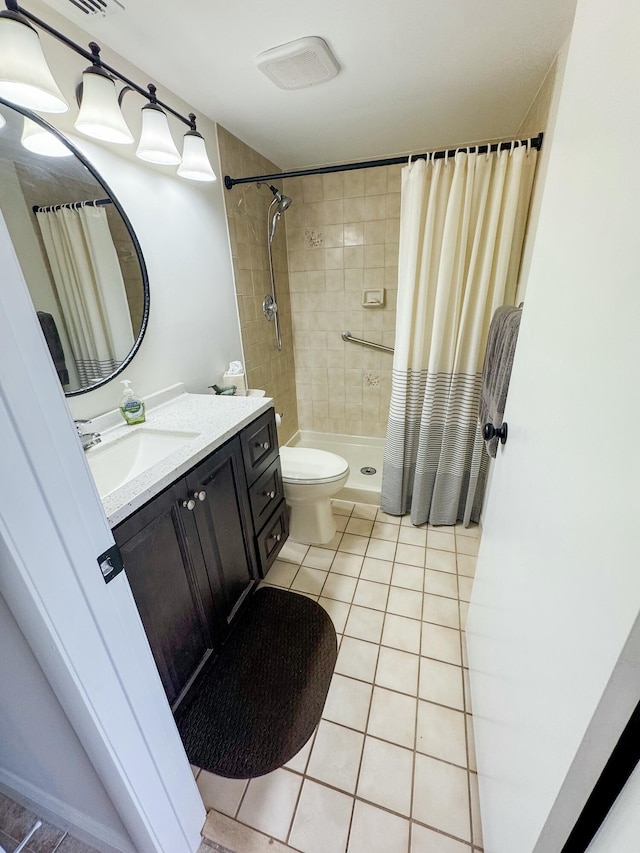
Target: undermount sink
115,463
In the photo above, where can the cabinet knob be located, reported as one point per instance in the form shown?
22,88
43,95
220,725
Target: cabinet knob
264,445
190,504
201,495
276,537
270,495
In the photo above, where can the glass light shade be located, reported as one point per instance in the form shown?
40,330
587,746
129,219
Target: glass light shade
25,78
2,121
100,115
195,164
39,140
156,143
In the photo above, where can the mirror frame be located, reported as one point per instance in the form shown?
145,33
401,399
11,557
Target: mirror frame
132,234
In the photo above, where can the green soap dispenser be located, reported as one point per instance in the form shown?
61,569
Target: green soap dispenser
131,406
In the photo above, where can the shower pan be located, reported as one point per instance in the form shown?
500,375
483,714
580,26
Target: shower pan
270,303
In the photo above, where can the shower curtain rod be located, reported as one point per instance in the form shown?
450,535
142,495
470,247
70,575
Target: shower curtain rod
534,142
72,205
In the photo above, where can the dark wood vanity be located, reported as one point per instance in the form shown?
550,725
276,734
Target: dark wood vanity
194,552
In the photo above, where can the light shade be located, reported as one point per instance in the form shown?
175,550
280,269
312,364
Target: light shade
100,115
25,78
156,143
39,140
2,121
195,163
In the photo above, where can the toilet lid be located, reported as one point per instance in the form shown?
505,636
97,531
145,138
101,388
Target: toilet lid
308,465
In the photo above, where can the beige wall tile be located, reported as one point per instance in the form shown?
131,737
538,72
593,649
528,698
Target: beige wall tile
351,219
247,208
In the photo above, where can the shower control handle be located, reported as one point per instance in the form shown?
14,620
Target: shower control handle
489,432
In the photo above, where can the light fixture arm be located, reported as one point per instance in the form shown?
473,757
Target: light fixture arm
95,59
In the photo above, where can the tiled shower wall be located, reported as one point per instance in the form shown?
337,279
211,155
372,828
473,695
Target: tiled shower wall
342,239
247,207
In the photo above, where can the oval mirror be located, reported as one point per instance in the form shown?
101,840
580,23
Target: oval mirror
78,252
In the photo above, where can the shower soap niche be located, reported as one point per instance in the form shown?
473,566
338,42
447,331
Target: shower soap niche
373,298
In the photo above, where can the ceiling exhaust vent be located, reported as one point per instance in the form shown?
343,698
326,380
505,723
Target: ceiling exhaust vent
298,64
76,9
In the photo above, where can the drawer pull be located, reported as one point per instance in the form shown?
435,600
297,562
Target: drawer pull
263,445
276,537
190,504
201,495
270,495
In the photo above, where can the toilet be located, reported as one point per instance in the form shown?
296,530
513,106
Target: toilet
311,478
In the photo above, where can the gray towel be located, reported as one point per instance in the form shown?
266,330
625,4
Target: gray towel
496,370
51,336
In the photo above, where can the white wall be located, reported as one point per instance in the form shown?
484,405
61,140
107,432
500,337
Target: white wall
42,762
193,328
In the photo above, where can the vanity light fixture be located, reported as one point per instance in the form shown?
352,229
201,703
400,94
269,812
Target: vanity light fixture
25,77
195,163
100,115
25,80
156,143
38,139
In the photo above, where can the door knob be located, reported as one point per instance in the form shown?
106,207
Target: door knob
190,504
489,432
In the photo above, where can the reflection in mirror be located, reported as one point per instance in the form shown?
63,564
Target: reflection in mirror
78,253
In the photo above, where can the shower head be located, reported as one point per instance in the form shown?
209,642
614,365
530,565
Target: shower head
283,200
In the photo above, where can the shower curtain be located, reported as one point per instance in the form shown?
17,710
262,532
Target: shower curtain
462,226
89,285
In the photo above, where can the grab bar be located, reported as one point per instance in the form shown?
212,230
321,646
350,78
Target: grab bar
347,336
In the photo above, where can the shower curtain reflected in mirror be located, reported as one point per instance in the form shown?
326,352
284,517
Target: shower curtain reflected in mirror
462,225
89,286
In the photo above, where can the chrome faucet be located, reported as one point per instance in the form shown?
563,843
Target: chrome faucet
88,439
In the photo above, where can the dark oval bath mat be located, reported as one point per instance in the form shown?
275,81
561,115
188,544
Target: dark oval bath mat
263,696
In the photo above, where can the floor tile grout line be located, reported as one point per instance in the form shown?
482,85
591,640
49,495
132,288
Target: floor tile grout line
364,741
295,808
464,706
415,739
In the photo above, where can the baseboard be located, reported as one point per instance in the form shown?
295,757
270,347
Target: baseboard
65,817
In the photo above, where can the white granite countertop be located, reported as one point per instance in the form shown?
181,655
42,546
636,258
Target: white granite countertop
215,418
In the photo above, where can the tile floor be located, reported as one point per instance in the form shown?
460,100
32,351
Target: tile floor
15,823
391,765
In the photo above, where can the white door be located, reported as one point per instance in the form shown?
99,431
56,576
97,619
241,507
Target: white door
552,633
86,636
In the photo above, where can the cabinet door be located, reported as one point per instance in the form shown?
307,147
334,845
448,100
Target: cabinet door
223,518
164,566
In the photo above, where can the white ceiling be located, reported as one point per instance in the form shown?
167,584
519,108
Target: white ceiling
416,74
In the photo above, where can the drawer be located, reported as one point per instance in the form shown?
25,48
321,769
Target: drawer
265,494
272,538
259,443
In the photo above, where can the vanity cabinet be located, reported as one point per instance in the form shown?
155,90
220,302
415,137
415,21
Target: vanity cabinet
196,550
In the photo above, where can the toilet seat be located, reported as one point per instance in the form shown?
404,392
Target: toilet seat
306,465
